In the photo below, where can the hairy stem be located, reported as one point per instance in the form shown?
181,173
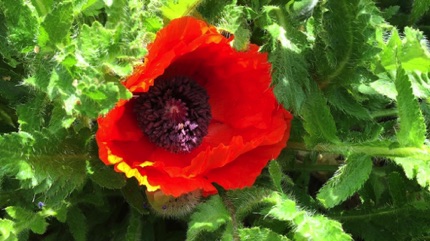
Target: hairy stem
414,152
383,113
230,207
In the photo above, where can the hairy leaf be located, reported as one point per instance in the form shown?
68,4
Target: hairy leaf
307,226
135,226
56,24
261,234
412,127
76,221
346,181
416,169
26,219
175,9
21,27
344,41
209,217
419,8
276,175
291,79
318,120
105,176
388,222
410,51
343,100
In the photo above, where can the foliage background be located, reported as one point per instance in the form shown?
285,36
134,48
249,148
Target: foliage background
355,74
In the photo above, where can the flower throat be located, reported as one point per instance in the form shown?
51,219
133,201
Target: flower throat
174,114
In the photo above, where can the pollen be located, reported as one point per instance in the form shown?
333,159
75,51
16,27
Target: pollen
174,113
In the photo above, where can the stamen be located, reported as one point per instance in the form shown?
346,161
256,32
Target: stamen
174,113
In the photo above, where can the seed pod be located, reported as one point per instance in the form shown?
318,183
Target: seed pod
169,206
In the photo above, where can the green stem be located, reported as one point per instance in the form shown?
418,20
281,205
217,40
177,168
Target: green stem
384,113
313,168
355,215
422,153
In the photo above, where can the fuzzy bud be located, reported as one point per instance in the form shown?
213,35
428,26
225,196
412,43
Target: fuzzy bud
169,206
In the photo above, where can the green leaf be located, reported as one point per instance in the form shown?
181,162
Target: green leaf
344,41
419,8
389,222
21,29
134,196
276,175
343,100
105,176
77,223
233,19
347,180
177,8
56,25
31,114
410,51
260,234
10,142
26,219
318,120
397,188
301,8
43,7
290,71
7,230
135,227
60,119
307,226
92,51
412,126
209,217
415,169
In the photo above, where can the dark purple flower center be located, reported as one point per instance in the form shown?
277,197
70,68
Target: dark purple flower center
174,113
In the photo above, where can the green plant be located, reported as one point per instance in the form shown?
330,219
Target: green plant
355,74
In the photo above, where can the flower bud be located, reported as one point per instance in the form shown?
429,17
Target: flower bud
175,207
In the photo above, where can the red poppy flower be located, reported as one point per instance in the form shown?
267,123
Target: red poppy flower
202,112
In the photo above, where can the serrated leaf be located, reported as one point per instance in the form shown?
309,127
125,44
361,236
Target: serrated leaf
276,175
212,10
94,50
341,99
105,176
60,119
233,19
26,219
56,24
397,188
31,114
290,71
419,8
21,25
77,223
177,8
43,7
415,169
347,180
410,51
307,226
301,8
260,234
134,227
318,120
10,142
343,44
412,126
6,229
133,194
209,217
